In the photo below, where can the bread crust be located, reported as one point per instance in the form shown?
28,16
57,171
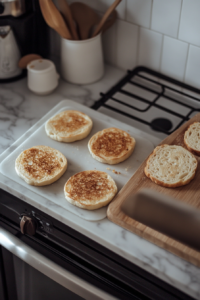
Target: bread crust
111,146
90,189
69,126
40,165
186,139
148,172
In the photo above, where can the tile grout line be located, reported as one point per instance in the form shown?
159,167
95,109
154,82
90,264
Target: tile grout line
115,41
151,15
152,30
138,46
126,10
186,61
161,54
180,19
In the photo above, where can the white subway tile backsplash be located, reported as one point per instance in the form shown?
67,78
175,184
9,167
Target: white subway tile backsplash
165,16
150,47
190,22
163,35
174,57
139,12
127,41
103,5
192,75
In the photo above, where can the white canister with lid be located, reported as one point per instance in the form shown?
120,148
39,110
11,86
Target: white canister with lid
42,76
82,61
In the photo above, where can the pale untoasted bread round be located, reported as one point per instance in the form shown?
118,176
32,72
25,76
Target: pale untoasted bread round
90,189
40,165
171,166
192,138
111,146
69,126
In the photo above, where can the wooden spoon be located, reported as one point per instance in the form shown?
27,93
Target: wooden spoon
85,17
105,17
25,60
54,18
66,12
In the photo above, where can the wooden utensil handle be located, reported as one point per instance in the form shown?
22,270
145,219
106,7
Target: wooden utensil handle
54,19
105,17
110,21
66,12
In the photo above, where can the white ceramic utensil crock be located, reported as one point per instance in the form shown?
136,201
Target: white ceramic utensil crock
82,61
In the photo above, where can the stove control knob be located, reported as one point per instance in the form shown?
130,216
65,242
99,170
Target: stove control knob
28,225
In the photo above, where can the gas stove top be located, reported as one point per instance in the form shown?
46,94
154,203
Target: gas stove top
151,102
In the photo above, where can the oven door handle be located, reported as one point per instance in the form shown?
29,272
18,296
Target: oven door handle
51,269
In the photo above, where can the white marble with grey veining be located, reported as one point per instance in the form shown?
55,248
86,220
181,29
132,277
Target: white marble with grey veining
19,110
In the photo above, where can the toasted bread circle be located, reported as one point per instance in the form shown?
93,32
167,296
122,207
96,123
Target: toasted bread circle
69,126
40,165
90,189
111,145
171,166
192,138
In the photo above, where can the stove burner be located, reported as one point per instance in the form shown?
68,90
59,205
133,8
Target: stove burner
136,85
161,124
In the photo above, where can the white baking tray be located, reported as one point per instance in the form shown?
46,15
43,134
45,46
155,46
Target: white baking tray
79,158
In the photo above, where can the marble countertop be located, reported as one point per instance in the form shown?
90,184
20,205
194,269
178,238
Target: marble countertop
20,109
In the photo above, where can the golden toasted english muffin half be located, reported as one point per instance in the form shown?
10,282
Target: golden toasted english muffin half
111,146
40,165
192,138
171,166
69,126
90,189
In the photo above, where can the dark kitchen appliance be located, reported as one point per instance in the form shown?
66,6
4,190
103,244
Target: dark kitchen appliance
30,30
68,248
73,251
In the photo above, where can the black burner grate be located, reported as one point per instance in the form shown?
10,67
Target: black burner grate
174,93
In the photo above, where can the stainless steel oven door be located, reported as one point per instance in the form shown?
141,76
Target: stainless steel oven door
37,276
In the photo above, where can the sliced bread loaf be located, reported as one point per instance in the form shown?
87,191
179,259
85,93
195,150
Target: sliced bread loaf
171,166
192,138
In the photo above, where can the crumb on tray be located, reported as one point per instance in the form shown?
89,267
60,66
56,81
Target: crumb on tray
116,172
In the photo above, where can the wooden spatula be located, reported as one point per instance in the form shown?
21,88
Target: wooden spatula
105,17
85,17
66,12
54,18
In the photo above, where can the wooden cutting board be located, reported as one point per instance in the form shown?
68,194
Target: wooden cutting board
189,193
